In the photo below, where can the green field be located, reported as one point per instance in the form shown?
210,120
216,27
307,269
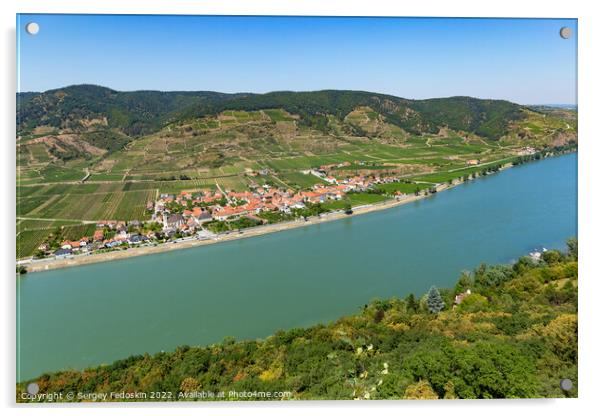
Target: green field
29,225
39,153
29,241
54,173
355,200
365,199
115,205
132,205
404,188
105,177
26,205
300,180
277,115
235,183
74,232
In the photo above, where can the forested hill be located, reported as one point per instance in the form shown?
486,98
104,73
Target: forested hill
134,113
142,112
514,335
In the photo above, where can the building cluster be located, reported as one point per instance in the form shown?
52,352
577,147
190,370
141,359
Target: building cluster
108,234
186,212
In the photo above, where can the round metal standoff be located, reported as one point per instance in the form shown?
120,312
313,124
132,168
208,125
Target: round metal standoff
32,28
565,32
566,384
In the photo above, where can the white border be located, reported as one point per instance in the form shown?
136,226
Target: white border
590,153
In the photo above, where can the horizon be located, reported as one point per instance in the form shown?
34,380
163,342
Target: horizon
523,61
559,104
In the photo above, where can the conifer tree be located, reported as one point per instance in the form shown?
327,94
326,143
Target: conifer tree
433,301
411,303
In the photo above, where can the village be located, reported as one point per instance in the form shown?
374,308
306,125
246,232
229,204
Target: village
203,214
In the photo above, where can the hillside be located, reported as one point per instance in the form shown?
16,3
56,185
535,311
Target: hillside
74,108
87,121
141,112
514,335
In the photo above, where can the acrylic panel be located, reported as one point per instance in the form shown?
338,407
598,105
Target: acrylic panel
295,208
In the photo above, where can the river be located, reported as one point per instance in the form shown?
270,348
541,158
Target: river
87,315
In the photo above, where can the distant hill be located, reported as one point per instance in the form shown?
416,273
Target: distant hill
137,113
134,113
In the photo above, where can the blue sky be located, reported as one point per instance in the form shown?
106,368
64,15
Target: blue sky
521,60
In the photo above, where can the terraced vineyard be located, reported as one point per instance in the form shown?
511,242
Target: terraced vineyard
104,170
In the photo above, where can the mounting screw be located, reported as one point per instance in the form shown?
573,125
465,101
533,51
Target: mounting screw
565,32
33,388
32,28
566,384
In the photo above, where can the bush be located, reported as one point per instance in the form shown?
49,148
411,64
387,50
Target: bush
473,303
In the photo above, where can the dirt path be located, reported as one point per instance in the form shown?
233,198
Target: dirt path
222,191
57,219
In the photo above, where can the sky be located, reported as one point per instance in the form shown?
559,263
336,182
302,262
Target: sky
520,60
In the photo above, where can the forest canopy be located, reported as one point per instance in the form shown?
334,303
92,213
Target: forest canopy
138,113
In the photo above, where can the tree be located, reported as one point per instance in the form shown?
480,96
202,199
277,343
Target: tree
473,303
464,282
433,301
450,393
572,245
552,256
411,303
491,276
379,315
420,391
190,384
